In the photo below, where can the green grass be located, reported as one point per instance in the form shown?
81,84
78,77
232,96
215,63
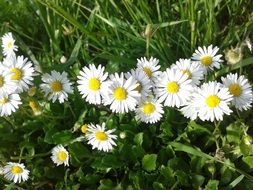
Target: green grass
173,154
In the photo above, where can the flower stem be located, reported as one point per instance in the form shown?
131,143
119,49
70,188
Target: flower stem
30,157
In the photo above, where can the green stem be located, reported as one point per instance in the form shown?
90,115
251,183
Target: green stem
217,133
30,157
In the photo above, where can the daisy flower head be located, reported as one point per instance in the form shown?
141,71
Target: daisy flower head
9,103
213,101
121,94
101,138
15,172
240,89
56,86
8,45
149,111
150,67
207,57
7,86
92,83
173,88
190,109
144,84
21,70
191,69
60,155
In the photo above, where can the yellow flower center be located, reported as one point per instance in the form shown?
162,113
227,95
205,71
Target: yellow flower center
172,87
56,86
120,93
4,101
187,72
138,87
17,74
16,170
101,136
94,84
148,108
1,81
212,101
147,71
206,60
62,156
9,45
84,128
235,90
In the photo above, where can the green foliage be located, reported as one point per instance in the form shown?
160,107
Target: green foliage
173,154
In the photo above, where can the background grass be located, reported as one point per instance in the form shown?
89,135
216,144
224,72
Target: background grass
115,34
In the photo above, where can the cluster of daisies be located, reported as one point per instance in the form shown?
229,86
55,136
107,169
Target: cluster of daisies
96,135
145,90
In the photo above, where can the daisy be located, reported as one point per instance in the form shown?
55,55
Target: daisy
21,70
207,57
121,94
8,45
143,82
7,86
60,155
190,110
213,101
191,69
9,103
15,172
240,89
173,88
150,67
149,111
91,83
56,86
101,139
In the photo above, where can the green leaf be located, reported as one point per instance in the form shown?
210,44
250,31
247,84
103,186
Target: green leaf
79,151
193,151
197,181
63,137
158,186
212,185
246,149
234,132
138,139
249,161
235,182
168,174
149,162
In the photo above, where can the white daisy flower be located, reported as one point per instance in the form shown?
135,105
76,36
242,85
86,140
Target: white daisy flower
8,45
241,90
150,67
92,84
191,69
190,110
7,86
15,172
143,82
101,138
21,70
149,111
121,94
173,88
207,57
9,103
56,86
60,155
213,101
